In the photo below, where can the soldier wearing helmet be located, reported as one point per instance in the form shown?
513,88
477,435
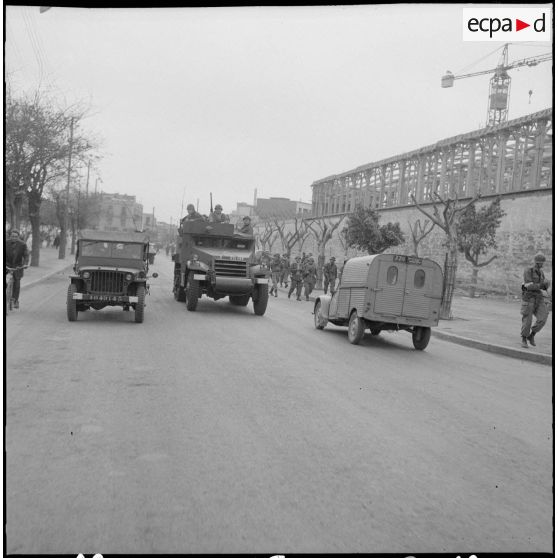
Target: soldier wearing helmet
191,213
217,215
533,301
330,275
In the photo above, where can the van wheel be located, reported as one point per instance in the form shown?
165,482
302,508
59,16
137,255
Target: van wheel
71,304
356,328
421,337
140,293
192,292
318,318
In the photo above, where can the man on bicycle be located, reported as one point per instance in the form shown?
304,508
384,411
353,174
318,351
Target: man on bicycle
17,256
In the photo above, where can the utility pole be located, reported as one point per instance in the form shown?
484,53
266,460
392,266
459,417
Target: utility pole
63,232
87,183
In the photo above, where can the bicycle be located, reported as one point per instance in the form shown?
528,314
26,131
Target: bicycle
9,301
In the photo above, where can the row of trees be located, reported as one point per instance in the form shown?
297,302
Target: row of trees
467,230
45,154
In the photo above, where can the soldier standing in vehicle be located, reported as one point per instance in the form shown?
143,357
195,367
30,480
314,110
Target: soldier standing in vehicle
309,276
217,215
533,301
246,227
192,214
330,275
296,278
275,273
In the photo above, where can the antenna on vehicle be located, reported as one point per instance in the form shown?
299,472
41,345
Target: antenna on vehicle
211,202
182,206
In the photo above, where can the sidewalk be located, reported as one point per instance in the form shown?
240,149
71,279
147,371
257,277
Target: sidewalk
490,324
49,264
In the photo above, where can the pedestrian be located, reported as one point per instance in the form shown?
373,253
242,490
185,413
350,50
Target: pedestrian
296,278
330,275
16,255
56,241
533,301
246,227
217,215
309,276
275,273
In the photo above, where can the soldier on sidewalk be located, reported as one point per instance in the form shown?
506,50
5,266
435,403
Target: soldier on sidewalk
275,266
533,301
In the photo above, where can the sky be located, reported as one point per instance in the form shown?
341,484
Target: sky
188,101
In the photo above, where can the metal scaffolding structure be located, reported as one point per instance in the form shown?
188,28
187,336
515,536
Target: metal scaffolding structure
510,157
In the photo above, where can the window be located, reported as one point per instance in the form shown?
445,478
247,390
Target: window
392,275
419,278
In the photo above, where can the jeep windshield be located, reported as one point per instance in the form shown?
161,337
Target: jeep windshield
220,242
111,249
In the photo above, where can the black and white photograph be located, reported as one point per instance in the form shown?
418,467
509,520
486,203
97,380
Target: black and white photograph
279,279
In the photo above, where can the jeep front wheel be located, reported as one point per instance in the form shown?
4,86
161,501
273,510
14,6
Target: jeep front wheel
260,298
192,293
71,304
140,304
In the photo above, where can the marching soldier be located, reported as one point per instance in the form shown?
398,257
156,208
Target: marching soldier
310,276
275,273
296,278
330,275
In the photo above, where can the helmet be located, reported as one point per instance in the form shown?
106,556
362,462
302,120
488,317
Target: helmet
246,218
219,207
190,206
540,257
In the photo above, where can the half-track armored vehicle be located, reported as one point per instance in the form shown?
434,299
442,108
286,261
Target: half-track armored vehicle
111,269
213,259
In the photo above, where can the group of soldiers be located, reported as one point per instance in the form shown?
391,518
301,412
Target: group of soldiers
303,274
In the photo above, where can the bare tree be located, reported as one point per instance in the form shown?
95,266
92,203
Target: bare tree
447,219
419,231
291,238
37,153
322,228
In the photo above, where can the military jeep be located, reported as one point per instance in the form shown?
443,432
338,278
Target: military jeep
111,269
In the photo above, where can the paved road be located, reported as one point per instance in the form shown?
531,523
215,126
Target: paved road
220,431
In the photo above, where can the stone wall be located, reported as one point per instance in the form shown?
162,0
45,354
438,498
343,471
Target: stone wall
526,228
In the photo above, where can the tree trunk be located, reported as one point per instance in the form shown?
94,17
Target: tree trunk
473,285
35,219
62,247
450,271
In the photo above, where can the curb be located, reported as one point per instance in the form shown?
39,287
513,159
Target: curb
521,354
493,348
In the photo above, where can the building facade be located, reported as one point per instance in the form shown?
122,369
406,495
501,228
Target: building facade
119,212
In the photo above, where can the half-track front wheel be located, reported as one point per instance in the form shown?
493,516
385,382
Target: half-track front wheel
140,304
71,304
192,292
260,298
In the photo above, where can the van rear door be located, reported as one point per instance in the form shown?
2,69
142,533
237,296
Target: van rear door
418,289
390,287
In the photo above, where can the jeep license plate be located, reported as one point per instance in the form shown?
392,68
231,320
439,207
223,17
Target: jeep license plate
108,298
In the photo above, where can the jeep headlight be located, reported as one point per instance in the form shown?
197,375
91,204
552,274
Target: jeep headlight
86,274
128,277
